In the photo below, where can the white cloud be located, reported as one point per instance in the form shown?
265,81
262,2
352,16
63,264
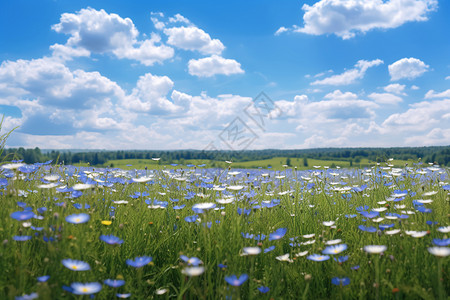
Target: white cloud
385,98
436,136
96,31
432,94
346,18
281,30
210,66
194,39
349,76
447,78
409,68
395,88
415,87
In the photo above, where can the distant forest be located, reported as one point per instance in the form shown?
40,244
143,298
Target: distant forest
435,154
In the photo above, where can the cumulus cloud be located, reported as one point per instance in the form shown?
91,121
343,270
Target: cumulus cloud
349,76
432,94
395,88
346,18
408,68
385,98
194,39
96,31
210,66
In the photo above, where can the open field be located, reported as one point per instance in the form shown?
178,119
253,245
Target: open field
217,233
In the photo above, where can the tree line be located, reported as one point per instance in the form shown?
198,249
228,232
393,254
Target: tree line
434,154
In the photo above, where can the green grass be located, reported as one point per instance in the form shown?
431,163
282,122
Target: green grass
163,234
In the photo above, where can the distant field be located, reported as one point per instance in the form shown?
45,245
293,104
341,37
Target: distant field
275,163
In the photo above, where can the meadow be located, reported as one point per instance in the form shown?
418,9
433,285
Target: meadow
196,232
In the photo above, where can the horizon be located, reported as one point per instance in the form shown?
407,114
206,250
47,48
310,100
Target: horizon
230,76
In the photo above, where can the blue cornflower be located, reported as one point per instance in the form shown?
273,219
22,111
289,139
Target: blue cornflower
22,215
78,218
442,243
222,266
245,211
385,226
179,206
75,265
191,261
269,249
27,297
234,281
22,238
341,259
114,282
367,228
43,278
318,257
123,295
277,234
336,249
263,289
79,288
350,216
340,281
139,262
191,219
111,239
370,215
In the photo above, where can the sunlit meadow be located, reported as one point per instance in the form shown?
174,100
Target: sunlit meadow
193,232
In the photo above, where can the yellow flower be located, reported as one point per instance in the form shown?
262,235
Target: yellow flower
107,223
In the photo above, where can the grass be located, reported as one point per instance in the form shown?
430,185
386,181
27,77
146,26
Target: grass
299,201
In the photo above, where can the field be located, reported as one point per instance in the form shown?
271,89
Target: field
181,232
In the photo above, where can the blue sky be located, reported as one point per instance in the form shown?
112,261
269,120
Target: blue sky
184,75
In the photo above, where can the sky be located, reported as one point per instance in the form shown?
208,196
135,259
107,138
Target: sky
225,74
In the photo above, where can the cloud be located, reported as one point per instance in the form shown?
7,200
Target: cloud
395,88
408,68
347,18
96,31
385,98
210,66
432,94
281,30
194,39
349,76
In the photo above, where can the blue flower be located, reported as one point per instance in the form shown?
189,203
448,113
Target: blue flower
114,282
123,295
111,239
43,278
191,261
369,215
263,289
78,218
234,281
79,288
367,228
75,265
191,219
336,249
341,259
27,297
318,257
269,249
340,281
179,206
22,215
139,262
278,234
222,266
22,238
442,243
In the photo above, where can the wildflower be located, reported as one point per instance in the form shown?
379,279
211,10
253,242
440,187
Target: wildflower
22,215
375,249
445,229
43,278
111,239
123,295
27,297
193,271
200,207
301,254
82,186
335,249
328,223
442,243
139,262
78,218
318,257
191,261
75,265
278,234
22,238
284,257
263,289
234,281
439,251
269,249
251,251
114,282
85,288
161,291
191,219
340,281
333,242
